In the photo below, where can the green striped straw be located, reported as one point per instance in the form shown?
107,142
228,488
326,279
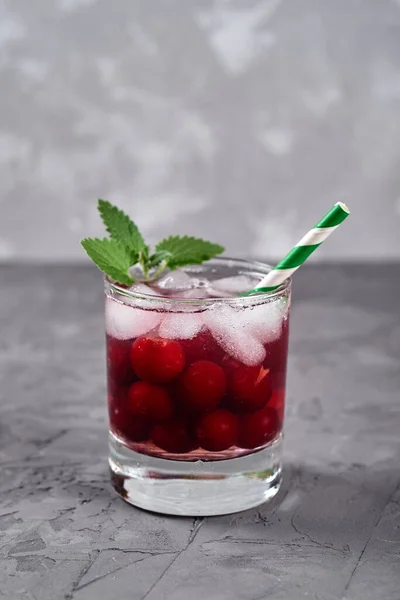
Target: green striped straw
306,246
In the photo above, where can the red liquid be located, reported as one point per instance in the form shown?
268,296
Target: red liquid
190,400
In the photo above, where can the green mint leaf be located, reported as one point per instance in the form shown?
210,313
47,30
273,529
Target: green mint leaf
111,257
187,250
157,258
121,227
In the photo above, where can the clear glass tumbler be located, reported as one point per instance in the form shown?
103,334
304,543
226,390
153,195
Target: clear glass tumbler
196,393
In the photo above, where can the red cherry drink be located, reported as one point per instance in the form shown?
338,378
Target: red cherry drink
221,405
196,372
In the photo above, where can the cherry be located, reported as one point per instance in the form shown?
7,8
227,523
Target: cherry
157,360
202,346
133,429
172,436
258,428
202,385
277,401
118,361
149,401
218,430
250,388
230,364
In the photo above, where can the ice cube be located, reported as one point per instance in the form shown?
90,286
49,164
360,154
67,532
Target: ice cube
194,293
125,322
229,286
230,332
264,321
175,280
182,326
141,289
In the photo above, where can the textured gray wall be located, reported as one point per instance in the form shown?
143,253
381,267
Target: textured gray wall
240,120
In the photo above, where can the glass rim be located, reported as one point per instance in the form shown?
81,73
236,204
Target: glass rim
256,267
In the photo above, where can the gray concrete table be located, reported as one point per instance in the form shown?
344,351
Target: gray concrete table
334,530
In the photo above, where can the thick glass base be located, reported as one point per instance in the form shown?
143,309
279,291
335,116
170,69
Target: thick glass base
195,488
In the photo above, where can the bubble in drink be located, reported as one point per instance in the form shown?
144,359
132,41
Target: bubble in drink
125,322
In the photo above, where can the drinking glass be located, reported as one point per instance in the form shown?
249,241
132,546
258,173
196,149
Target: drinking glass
196,392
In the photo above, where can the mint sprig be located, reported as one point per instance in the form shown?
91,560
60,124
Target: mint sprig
111,257
121,227
187,250
126,248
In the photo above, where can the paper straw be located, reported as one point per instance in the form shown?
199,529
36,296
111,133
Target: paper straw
306,246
